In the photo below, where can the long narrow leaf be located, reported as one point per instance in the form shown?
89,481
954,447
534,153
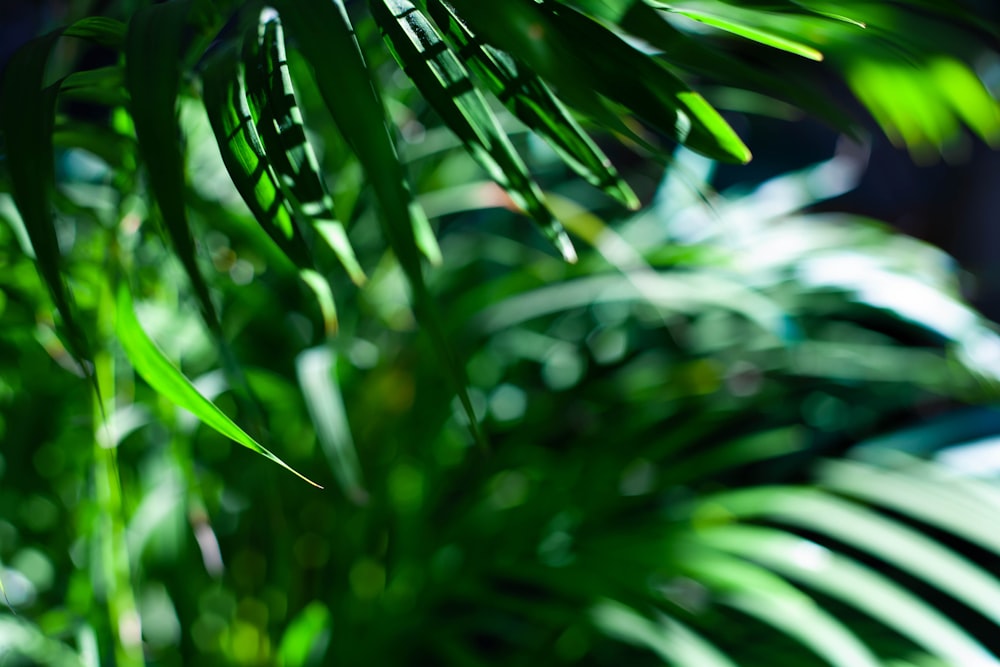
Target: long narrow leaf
666,637
759,593
99,29
651,91
154,367
534,104
444,82
27,118
251,172
283,133
243,154
326,38
745,30
152,77
856,585
892,541
584,60
316,370
944,501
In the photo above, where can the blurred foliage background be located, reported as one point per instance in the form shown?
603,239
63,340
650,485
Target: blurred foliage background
700,413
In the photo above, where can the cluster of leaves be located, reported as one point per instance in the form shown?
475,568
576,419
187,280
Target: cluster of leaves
454,54
653,408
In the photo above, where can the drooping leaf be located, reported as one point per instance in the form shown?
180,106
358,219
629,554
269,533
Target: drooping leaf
585,61
651,91
244,156
723,21
665,636
251,172
27,119
102,85
920,490
99,29
683,51
279,121
874,534
326,38
760,593
444,82
152,76
534,104
154,367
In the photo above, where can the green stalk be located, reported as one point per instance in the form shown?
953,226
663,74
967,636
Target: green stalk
113,569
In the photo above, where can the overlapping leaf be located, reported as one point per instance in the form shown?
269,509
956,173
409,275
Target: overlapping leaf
326,37
546,37
279,122
534,104
252,174
859,586
439,74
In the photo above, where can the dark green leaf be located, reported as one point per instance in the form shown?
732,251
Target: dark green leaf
152,77
528,98
584,60
102,85
244,156
326,38
445,84
100,29
27,117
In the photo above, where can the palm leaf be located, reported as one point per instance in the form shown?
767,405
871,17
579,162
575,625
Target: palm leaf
27,125
326,38
279,121
154,367
534,104
152,78
444,82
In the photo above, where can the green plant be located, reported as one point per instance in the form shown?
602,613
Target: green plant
647,419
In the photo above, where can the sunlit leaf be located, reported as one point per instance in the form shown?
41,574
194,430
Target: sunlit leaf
326,38
544,37
444,82
306,638
860,586
283,133
666,637
534,104
772,600
154,367
877,535
693,11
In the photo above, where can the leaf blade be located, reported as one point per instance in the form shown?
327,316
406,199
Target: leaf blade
152,76
436,70
28,127
153,366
